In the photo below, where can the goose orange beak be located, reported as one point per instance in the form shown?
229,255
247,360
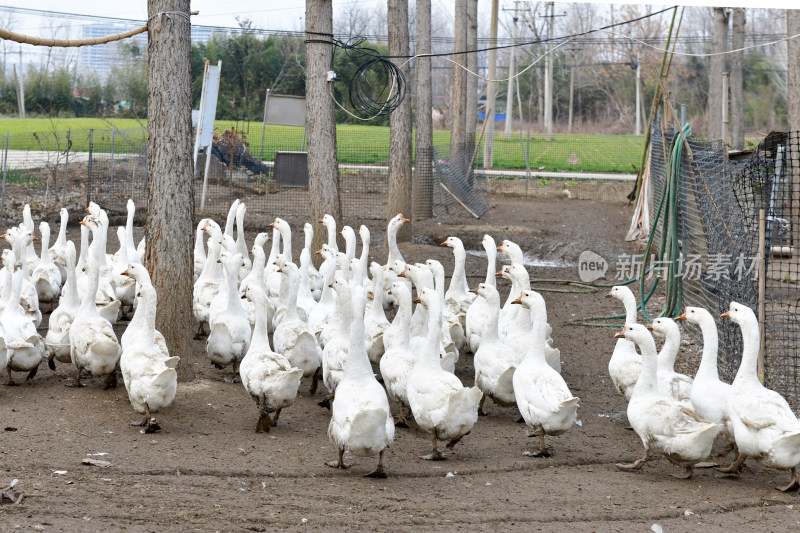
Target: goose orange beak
649,326
321,221
680,317
518,300
271,225
417,301
402,274
406,220
726,314
443,243
473,291
83,222
318,252
620,335
498,274
124,273
87,209
388,292
35,238
500,248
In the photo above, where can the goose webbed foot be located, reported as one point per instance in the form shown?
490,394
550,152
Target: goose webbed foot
453,442
735,467
435,454
31,374
76,383
264,423
379,472
636,465
51,362
148,423
793,485
481,412
686,475
10,382
200,332
340,464
543,451
315,381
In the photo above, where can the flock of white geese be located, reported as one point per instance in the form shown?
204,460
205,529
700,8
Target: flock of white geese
330,325
679,417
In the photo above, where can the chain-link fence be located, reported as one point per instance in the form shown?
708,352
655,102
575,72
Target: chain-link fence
717,225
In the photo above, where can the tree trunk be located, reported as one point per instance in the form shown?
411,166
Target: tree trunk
737,80
471,100
323,167
458,99
491,91
170,191
423,184
399,200
719,42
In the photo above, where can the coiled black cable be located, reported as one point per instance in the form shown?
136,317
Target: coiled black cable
368,99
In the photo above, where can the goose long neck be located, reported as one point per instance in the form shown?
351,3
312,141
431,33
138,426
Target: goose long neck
45,246
276,246
402,320
648,379
309,237
391,239
98,246
62,231
16,289
750,341
199,250
260,338
71,290
234,300
364,259
539,329
286,237
129,231
357,360
459,273
438,283
491,266
343,307
490,330
708,361
328,269
377,293
89,305
231,218
84,246
432,340
629,301
332,237
149,323
666,358
292,286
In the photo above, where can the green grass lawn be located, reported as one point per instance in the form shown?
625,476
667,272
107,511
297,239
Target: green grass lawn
356,143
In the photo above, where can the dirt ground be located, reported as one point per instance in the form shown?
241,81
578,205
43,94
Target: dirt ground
208,471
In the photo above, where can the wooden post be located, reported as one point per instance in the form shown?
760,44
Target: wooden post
724,122
423,160
762,287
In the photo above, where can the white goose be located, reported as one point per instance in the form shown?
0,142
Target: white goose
255,279
458,298
422,278
268,377
27,223
478,311
323,312
394,262
241,242
58,249
495,361
625,364
284,297
148,372
314,277
93,343
543,398
398,359
349,236
763,423
230,333
107,303
671,383
133,253
305,298
46,275
709,394
441,405
199,249
293,337
124,286
57,339
210,282
21,241
454,324
363,233
361,421
663,424
21,344
334,354
375,323
140,277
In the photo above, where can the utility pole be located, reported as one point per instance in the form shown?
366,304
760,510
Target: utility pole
512,70
491,90
548,79
20,86
638,97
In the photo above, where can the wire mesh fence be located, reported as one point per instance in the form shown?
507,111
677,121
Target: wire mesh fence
718,229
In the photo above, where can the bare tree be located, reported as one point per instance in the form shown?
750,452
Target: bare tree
423,175
737,80
170,191
323,167
471,100
719,38
399,200
458,99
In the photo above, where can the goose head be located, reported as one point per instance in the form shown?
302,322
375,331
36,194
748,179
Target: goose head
281,225
512,250
620,292
435,267
131,207
9,259
397,221
695,315
232,263
398,267
138,272
211,227
488,244
375,270
453,242
121,237
428,298
363,233
93,209
529,299
638,334
260,240
340,284
329,222
741,314
27,219
356,270
664,327
349,238
488,292
505,272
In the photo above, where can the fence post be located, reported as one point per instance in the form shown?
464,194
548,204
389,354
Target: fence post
113,134
66,169
89,172
5,170
683,115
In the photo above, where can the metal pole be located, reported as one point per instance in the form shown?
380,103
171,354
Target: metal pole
725,108
571,93
113,134
683,115
66,170
512,69
5,171
89,172
264,125
638,97
491,91
762,288
200,116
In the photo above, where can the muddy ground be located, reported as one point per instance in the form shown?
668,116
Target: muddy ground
207,470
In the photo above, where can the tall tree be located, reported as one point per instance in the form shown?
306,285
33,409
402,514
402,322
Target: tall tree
719,43
323,166
737,79
423,175
471,100
458,97
399,200
170,191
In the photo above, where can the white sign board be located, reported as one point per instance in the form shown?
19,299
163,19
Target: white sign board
208,105
285,110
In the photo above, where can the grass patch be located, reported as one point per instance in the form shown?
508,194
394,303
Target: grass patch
356,144
20,177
